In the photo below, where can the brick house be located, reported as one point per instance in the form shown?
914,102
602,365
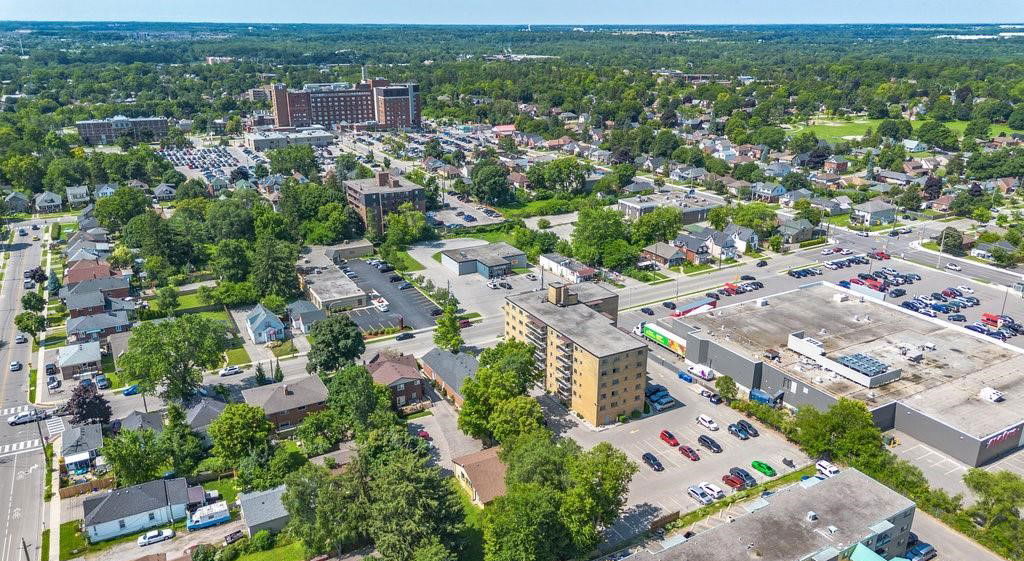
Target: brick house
286,404
664,254
401,375
111,287
76,359
87,269
449,371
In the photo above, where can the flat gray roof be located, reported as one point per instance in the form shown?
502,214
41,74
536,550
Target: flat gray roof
945,385
332,285
777,529
587,328
491,254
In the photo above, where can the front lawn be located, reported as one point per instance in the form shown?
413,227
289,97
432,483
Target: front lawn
402,261
436,256
32,376
692,268
56,338
286,348
236,355
288,552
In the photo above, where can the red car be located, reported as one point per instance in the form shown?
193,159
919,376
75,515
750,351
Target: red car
669,438
423,434
856,281
689,453
465,323
732,481
883,255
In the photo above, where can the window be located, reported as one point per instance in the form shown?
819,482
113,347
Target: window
121,524
152,516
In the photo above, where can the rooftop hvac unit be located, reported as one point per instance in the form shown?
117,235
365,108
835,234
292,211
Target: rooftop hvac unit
832,530
991,394
812,516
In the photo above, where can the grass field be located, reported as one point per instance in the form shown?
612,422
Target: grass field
286,348
835,129
225,486
288,552
73,543
472,534
404,262
237,355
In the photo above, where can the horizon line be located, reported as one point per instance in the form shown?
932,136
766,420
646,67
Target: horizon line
560,24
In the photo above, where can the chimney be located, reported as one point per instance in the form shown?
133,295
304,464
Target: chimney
812,516
286,390
395,184
364,72
383,179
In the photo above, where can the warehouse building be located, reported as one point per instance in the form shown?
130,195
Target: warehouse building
489,261
952,389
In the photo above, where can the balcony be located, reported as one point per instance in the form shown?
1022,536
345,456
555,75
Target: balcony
564,394
565,359
564,345
539,340
563,383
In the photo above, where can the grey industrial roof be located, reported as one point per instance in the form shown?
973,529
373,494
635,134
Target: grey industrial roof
260,507
331,285
370,185
849,504
587,328
285,396
492,254
138,499
81,438
452,368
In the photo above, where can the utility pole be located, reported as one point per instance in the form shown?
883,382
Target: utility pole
24,547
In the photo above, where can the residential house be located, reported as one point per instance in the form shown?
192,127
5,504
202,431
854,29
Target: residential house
639,185
829,206
688,174
942,203
566,267
303,314
796,231
80,444
720,245
836,164
130,510
48,202
202,414
138,184
112,287
78,195
97,327
105,190
985,250
263,510
90,303
694,248
482,475
78,358
87,269
913,167
601,156
138,420
778,169
664,254
432,164
449,371
768,192
651,163
873,212
911,145
746,239
16,201
166,192
263,325
1006,185
400,375
287,403
519,180
735,186
894,177
218,185
792,197
826,180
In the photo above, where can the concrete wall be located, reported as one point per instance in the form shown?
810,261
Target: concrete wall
796,392
885,416
936,434
1002,443
461,268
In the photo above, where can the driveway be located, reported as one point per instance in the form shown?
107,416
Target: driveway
173,548
447,440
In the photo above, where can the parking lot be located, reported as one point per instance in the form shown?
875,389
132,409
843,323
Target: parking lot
456,216
656,494
410,304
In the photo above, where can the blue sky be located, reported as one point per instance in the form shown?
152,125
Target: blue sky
521,11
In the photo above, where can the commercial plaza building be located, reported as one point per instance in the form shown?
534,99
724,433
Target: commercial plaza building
592,367
925,377
270,140
813,520
370,101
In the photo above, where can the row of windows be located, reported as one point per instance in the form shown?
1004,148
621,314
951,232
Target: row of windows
625,403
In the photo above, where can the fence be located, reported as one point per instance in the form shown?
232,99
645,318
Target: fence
87,487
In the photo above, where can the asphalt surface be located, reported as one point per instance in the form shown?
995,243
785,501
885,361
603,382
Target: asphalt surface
413,306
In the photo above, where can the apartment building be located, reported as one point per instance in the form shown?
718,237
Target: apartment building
379,196
376,100
106,131
592,367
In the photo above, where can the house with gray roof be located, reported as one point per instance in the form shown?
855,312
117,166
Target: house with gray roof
264,510
114,287
792,197
16,201
202,414
133,509
78,195
693,247
164,192
138,420
48,202
449,371
105,190
491,260
97,327
303,314
287,403
663,254
875,211
78,358
263,325
796,231
745,238
768,192
80,444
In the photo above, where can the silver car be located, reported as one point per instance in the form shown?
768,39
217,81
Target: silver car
699,495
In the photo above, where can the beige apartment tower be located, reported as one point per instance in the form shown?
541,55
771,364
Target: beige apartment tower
591,366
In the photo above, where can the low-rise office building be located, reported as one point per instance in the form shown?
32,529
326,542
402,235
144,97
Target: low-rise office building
489,261
325,285
106,131
594,368
819,343
813,520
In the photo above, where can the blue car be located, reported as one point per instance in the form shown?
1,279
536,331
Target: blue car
131,390
977,328
921,552
844,284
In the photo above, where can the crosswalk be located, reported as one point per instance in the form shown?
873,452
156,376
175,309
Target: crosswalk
13,410
54,426
18,447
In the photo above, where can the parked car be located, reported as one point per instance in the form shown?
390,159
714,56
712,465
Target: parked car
668,438
689,453
230,370
20,338
29,416
463,323
763,468
52,382
652,461
921,552
405,286
669,305
747,277
743,474
395,278
738,432
709,443
733,481
699,495
131,390
712,295
404,336
762,263
713,490
748,427
155,536
647,311
707,422
233,537
15,366
102,382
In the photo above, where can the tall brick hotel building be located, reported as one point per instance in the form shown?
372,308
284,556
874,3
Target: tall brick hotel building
392,106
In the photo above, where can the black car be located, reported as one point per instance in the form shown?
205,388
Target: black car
956,317
395,278
762,263
436,312
669,305
709,443
745,425
897,292
715,398
743,474
712,295
748,277
404,336
938,296
647,311
652,461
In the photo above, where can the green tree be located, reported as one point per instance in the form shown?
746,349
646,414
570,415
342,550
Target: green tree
726,387
845,431
135,456
490,182
358,402
619,254
171,354
320,432
807,212
238,431
114,212
515,417
951,241
595,229
803,142
272,267
661,225
505,371
981,214
523,525
278,373
936,134
718,217
231,260
336,342
31,323
261,375
757,216
274,303
775,243
448,335
1000,496
182,445
32,301
325,513
297,157
167,300
598,483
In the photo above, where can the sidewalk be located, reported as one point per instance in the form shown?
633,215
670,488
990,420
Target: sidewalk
52,506
41,361
919,247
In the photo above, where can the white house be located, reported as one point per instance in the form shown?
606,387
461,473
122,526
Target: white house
133,509
263,325
105,190
78,195
48,202
566,267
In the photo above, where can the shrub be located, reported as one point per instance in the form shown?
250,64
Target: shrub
177,280
204,552
261,541
814,242
543,223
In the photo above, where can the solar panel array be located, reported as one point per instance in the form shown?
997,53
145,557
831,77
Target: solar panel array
867,365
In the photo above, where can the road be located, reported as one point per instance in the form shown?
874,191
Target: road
949,543
21,456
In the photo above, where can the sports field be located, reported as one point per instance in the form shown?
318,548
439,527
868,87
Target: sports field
837,129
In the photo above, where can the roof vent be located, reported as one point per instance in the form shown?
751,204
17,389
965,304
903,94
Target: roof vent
812,516
832,530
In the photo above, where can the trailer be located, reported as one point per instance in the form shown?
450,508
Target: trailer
662,336
209,515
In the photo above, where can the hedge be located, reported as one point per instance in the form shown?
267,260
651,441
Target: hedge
812,243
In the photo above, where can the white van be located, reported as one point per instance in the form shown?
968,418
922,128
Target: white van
707,422
828,469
